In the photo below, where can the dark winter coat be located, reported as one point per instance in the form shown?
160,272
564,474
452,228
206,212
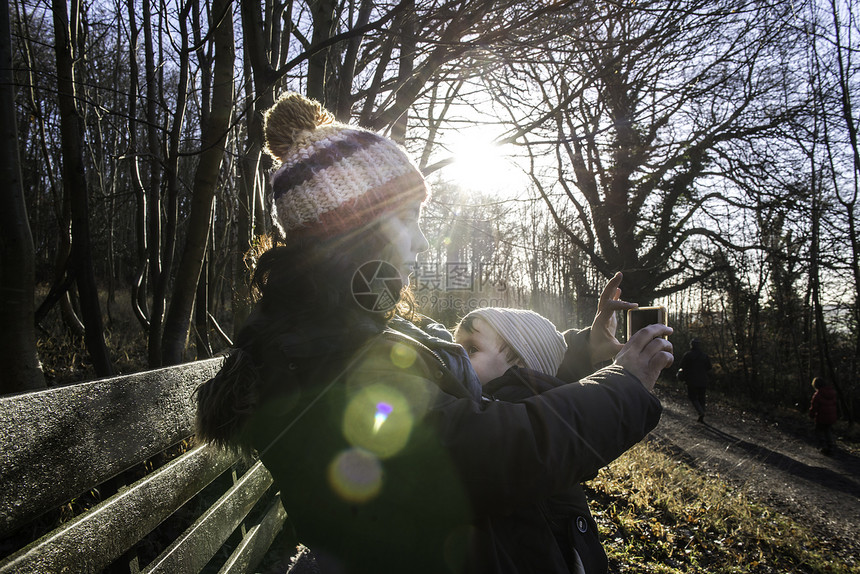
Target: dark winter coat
822,408
696,365
388,460
564,516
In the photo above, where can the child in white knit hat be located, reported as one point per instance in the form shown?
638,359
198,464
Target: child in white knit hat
518,354
497,339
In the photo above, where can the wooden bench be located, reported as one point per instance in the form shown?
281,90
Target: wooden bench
122,445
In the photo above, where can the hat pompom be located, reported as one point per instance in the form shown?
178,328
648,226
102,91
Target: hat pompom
284,122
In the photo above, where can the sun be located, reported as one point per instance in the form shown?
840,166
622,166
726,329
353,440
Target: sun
481,165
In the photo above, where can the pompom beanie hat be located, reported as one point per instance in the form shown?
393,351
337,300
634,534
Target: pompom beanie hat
332,178
532,336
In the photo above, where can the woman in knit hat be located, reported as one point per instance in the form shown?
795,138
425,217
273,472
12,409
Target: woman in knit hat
369,417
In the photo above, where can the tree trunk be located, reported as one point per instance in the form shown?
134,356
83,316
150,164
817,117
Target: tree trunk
171,177
347,73
201,303
323,15
138,288
178,317
847,108
406,69
59,288
259,97
59,292
21,370
153,190
71,135
825,362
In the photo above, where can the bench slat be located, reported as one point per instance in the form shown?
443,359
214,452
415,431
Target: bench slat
257,541
96,538
59,443
193,550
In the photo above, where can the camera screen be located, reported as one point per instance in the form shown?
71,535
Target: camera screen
644,316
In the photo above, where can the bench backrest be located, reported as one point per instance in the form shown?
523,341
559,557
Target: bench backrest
79,441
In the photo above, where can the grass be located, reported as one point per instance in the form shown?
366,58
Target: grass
659,515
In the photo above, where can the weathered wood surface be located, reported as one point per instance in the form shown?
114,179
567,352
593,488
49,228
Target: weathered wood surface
257,541
59,443
93,540
193,550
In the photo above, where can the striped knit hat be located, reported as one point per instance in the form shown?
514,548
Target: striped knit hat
533,337
332,178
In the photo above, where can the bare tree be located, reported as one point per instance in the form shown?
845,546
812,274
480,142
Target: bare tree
638,112
59,291
214,135
22,370
153,185
71,129
262,54
138,289
833,151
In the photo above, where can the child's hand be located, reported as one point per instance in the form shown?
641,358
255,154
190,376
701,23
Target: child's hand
602,342
647,353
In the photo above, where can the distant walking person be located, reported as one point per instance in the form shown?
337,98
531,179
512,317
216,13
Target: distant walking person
694,372
822,409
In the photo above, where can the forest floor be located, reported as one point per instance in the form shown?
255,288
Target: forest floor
774,458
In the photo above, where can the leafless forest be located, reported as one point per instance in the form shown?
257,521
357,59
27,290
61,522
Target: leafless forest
707,149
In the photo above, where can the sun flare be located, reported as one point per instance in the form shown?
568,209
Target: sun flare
481,165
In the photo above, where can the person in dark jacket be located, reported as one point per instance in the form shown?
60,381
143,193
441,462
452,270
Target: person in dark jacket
513,352
823,410
695,365
368,416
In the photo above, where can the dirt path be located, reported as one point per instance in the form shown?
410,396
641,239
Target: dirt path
775,460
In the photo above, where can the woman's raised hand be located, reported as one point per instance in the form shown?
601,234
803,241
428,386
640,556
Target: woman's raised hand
647,353
602,341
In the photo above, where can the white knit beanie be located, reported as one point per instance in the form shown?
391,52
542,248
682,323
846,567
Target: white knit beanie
533,337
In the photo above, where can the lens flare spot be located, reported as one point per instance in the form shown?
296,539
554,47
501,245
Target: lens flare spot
382,412
355,475
403,356
378,419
